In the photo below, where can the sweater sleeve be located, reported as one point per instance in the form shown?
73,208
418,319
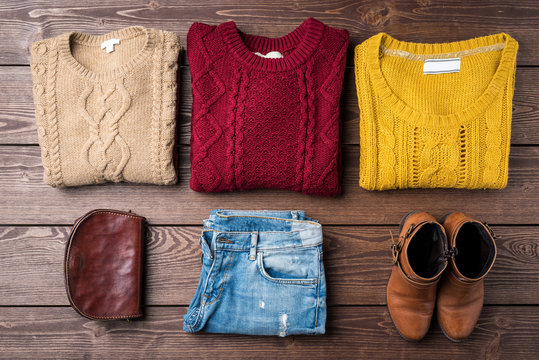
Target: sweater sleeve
43,64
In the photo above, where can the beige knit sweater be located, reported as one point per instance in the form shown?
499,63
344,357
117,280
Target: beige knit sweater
106,116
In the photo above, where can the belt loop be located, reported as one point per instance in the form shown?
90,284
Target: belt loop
213,244
254,241
294,214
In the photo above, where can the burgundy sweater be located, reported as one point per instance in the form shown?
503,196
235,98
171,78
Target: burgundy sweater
262,122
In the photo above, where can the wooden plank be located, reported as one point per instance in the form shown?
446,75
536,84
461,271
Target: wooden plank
17,124
357,260
34,318
442,21
352,333
26,200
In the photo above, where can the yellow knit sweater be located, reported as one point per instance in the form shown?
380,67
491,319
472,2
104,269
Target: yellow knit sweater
437,130
106,116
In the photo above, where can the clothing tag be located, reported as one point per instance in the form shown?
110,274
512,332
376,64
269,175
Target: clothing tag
108,45
270,55
441,66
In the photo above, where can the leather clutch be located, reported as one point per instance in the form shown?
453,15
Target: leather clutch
104,265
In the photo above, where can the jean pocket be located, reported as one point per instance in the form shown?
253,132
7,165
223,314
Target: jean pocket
292,268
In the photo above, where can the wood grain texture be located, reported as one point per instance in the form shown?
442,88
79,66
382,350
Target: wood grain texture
357,262
352,333
420,21
26,200
17,118
34,319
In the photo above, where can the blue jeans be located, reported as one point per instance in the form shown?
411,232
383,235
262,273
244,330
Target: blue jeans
262,274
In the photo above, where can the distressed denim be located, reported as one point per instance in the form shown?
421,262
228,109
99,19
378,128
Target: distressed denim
262,274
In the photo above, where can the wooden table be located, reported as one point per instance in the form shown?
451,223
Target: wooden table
35,319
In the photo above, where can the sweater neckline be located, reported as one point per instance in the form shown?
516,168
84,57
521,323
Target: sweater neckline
64,50
305,38
505,68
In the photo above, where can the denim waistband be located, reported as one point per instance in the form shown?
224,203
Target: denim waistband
237,230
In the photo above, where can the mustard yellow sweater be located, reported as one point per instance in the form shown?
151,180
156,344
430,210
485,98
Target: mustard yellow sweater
106,116
435,130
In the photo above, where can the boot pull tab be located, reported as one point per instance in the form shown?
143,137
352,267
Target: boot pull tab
395,248
409,231
412,227
489,230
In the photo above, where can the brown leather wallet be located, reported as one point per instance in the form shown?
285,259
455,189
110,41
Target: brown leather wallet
103,265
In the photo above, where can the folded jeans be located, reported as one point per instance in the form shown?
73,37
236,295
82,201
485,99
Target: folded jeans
262,274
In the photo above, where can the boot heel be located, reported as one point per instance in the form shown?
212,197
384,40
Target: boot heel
442,220
406,218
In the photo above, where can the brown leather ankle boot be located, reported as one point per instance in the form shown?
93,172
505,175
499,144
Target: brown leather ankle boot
419,257
461,292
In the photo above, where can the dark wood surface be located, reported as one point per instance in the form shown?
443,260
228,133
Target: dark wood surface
355,258
359,332
35,319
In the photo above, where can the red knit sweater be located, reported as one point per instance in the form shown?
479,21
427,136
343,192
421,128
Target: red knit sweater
263,122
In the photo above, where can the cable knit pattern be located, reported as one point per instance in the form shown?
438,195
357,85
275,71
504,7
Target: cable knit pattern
439,159
169,64
231,126
494,142
104,131
106,117
310,128
238,133
387,167
435,130
266,123
51,104
210,90
44,71
302,133
156,110
330,133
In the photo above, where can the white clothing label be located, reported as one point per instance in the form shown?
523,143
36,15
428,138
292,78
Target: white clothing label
441,66
270,55
108,45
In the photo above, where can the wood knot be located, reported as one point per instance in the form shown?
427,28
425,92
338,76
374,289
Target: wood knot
376,17
502,323
423,2
526,248
99,331
154,5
